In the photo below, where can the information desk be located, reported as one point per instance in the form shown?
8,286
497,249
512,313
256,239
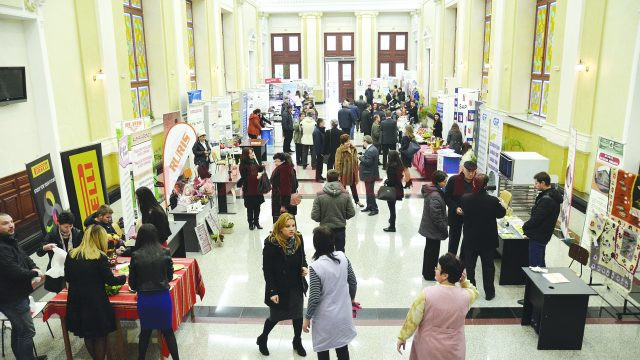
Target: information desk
190,219
224,184
557,312
176,239
186,285
514,252
268,134
260,149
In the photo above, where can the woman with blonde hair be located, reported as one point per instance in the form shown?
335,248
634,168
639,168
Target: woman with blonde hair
284,265
347,166
406,155
89,313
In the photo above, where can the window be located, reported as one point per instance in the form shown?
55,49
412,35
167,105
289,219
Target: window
392,54
338,44
484,87
285,56
192,48
134,26
542,55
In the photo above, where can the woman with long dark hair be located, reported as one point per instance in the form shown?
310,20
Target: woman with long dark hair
284,266
151,212
407,138
250,172
331,298
395,172
437,126
284,183
454,138
150,272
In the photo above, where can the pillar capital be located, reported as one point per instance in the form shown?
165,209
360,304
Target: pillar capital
310,14
366,13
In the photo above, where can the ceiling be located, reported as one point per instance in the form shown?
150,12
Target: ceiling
299,6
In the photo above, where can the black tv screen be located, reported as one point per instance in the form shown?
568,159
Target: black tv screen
13,85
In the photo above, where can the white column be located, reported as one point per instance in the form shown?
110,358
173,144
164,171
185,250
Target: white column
109,59
311,55
414,34
265,40
631,160
182,67
437,71
241,54
497,59
366,43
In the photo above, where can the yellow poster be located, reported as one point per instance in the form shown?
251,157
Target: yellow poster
87,182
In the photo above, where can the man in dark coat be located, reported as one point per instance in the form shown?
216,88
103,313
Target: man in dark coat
102,217
346,119
377,110
361,104
356,113
369,95
318,146
480,211
544,215
388,137
287,127
433,225
331,143
369,172
464,183
366,120
20,276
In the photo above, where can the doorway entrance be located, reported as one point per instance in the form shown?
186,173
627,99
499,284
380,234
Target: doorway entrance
346,84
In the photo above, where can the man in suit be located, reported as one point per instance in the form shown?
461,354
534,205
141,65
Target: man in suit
388,137
377,110
369,173
369,95
331,143
366,120
346,119
318,146
480,211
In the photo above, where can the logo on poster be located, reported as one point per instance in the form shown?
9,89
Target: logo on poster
88,187
177,157
40,168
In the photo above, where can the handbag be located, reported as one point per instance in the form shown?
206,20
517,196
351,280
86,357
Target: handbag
412,149
264,185
386,193
54,285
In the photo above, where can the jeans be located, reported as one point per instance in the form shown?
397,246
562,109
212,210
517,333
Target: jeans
288,135
339,237
22,329
536,253
306,149
342,353
371,195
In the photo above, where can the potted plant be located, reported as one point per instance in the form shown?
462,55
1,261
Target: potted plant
216,239
226,226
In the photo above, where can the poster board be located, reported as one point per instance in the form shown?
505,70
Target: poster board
177,147
565,209
195,116
495,147
447,111
464,103
482,146
212,222
203,237
84,177
127,197
44,190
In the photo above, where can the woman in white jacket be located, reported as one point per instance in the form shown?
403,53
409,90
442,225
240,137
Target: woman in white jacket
307,125
332,291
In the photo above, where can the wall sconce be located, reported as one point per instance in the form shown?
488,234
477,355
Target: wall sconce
487,66
582,67
99,76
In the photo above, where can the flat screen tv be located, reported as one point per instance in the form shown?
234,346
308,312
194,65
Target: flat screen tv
13,85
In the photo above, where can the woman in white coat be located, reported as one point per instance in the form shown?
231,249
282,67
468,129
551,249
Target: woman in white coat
332,293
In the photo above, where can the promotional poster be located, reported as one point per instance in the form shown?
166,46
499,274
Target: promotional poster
45,191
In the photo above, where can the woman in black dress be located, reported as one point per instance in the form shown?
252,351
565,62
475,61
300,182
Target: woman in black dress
153,213
437,126
250,172
150,272
284,265
394,179
407,138
89,313
283,183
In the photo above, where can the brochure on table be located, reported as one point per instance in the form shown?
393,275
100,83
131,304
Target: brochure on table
135,167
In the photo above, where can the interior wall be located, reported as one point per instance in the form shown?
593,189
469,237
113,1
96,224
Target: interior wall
338,23
229,39
18,120
449,41
393,22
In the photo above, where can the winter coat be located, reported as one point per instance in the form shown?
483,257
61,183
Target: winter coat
437,129
53,237
454,140
199,156
544,215
332,206
17,271
434,214
480,213
394,179
366,122
388,132
274,269
347,165
346,119
318,140
369,164
375,134
254,125
369,95
453,194
361,104
297,133
249,170
283,183
307,125
287,120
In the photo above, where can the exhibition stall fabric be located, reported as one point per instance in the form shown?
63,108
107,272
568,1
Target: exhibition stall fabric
186,284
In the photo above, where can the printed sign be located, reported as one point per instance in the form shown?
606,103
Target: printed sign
177,147
84,174
565,210
483,141
195,117
203,237
45,191
213,223
610,151
126,186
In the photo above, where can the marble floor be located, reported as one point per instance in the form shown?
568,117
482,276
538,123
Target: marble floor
388,270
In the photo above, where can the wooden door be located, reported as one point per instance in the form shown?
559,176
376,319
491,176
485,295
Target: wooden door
345,80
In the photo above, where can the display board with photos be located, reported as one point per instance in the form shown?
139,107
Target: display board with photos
202,233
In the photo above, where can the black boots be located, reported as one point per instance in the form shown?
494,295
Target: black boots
297,346
262,345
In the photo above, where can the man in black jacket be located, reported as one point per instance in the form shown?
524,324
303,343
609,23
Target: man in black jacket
366,120
19,277
544,215
318,146
465,182
331,143
369,172
369,95
480,211
287,128
346,118
388,137
101,217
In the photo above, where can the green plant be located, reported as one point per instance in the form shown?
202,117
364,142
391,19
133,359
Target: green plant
214,236
512,145
226,224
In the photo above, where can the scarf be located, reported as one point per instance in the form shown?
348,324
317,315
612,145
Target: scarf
291,246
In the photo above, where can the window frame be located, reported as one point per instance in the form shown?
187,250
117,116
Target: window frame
393,56
286,57
543,77
128,8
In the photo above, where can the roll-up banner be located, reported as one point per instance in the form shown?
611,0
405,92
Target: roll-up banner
45,191
178,143
84,176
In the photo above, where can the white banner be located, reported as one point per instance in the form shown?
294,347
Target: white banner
495,147
142,159
126,186
195,116
177,147
565,211
484,123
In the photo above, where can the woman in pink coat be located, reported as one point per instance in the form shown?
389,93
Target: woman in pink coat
437,315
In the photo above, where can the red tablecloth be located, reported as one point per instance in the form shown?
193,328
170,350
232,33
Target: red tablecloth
425,162
183,291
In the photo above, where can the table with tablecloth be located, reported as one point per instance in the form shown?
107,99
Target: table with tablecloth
187,283
425,161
